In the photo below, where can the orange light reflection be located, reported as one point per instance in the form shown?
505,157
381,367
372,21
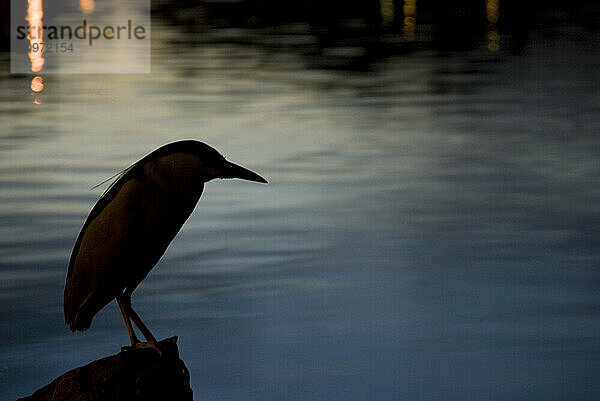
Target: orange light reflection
37,85
410,19
36,34
87,6
492,13
387,12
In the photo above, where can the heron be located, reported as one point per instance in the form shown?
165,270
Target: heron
132,224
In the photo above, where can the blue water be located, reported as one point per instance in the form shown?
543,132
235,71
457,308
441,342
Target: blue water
429,231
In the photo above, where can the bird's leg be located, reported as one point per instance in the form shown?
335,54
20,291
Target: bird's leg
124,310
125,304
138,322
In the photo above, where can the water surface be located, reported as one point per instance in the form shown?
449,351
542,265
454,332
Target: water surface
429,231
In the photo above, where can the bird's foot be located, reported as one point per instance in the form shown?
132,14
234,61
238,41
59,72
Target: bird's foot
149,345
161,347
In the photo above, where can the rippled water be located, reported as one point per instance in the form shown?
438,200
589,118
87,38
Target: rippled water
429,231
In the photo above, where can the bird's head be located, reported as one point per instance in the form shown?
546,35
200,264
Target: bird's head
203,161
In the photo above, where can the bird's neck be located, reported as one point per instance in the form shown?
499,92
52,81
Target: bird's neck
177,173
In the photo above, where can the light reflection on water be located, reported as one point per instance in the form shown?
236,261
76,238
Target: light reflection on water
429,230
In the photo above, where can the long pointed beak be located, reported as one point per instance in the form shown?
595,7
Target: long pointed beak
234,171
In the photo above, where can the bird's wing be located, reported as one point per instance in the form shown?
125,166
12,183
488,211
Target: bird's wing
107,241
108,195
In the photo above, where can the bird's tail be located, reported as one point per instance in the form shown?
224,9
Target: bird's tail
75,310
80,322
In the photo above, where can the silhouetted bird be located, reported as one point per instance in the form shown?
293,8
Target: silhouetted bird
133,223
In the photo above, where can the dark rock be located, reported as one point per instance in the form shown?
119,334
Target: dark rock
132,375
